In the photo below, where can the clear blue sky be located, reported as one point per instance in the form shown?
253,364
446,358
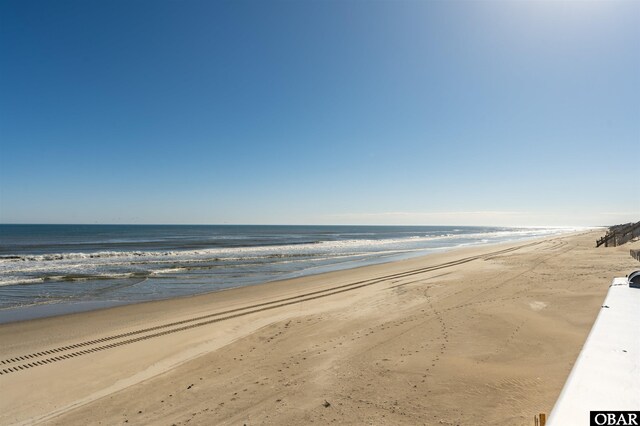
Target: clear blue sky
434,112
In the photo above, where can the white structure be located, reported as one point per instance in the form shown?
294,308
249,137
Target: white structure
606,375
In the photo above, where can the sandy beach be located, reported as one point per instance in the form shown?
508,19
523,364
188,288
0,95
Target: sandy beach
475,336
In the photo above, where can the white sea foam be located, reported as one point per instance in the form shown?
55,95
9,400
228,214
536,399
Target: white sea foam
13,280
7,281
169,270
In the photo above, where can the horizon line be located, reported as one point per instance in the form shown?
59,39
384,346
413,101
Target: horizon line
305,224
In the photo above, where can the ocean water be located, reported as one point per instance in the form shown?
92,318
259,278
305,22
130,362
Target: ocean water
104,265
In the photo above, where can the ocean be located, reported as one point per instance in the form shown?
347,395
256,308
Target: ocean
82,267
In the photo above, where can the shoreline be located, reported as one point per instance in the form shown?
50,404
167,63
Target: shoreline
478,332
53,309
216,291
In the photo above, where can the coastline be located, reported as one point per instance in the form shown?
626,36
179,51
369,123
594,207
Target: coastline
484,332
56,308
55,269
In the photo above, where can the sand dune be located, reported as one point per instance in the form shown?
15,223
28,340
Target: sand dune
473,336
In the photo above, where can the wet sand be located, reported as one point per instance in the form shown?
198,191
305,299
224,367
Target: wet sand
483,335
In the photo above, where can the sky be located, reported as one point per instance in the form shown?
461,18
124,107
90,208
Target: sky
320,112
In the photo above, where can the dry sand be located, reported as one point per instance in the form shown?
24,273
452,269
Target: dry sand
475,336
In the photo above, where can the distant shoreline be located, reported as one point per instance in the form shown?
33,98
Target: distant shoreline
47,310
51,270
